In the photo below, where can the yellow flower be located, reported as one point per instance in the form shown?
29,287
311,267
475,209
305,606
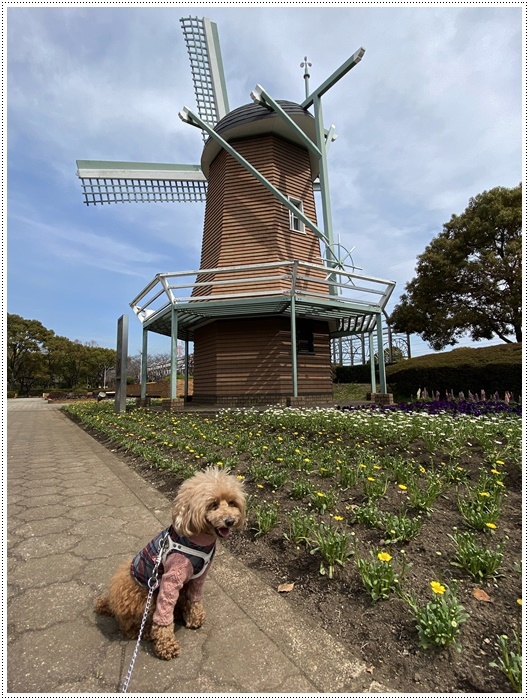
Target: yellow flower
498,461
240,477
491,525
337,517
260,486
306,459
370,478
403,487
485,494
437,587
519,601
320,494
376,466
422,470
500,483
219,464
494,471
384,556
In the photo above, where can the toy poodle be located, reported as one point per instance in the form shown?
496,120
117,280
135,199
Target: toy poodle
208,505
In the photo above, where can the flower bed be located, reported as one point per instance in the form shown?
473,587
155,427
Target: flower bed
399,528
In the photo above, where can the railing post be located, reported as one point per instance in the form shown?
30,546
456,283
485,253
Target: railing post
174,352
143,392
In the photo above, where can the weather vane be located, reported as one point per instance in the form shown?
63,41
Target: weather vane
306,64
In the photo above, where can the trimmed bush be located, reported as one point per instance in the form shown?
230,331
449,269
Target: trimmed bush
497,368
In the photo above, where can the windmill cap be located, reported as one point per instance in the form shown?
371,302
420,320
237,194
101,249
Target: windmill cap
254,120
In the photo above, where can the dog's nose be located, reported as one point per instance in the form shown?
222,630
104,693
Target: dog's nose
229,522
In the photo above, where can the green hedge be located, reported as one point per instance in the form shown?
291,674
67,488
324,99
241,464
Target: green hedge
497,368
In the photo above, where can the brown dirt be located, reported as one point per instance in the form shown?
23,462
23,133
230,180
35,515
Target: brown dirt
383,634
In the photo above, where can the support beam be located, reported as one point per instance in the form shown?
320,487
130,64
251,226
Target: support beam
372,364
294,344
174,352
381,365
186,369
144,356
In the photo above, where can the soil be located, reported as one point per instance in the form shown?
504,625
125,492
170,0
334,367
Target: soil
383,634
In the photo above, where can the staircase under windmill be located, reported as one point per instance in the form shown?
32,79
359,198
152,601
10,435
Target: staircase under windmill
265,303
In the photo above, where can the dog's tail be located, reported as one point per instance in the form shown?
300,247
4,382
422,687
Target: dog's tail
102,606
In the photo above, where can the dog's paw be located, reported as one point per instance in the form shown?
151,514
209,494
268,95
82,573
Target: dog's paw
165,644
194,615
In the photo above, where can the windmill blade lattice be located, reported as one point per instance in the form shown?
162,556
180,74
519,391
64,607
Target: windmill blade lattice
110,182
203,47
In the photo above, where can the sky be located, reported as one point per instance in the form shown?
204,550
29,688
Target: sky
429,118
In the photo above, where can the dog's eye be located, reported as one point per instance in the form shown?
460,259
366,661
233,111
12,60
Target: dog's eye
232,504
213,505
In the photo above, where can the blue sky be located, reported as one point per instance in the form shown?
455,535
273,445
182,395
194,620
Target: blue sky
430,117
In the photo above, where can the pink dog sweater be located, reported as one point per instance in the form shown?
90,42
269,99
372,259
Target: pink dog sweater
179,569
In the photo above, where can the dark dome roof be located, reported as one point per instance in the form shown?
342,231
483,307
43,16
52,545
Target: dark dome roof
253,120
253,112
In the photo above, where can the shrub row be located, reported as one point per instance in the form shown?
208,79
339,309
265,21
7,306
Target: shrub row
497,368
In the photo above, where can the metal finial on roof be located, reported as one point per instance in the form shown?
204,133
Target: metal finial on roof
306,64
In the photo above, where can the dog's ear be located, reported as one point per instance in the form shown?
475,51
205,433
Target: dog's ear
189,511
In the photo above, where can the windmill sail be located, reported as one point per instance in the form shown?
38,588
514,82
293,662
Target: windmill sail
111,182
203,47
108,182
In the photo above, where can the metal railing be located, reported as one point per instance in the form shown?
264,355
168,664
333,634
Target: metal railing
285,278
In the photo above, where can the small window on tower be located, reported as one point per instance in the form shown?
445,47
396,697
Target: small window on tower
295,223
305,337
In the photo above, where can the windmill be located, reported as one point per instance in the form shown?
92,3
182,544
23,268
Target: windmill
263,306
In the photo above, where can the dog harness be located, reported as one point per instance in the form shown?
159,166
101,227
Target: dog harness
142,565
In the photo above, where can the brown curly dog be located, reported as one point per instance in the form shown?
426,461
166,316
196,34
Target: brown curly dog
207,506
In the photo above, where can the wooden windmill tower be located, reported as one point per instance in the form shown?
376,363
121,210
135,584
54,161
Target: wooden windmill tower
265,303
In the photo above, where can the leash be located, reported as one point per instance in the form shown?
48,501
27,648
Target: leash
153,584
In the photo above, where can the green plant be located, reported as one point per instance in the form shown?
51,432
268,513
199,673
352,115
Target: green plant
266,517
400,528
334,546
479,509
375,487
438,622
300,488
300,525
368,514
422,496
509,661
480,562
379,576
348,476
323,501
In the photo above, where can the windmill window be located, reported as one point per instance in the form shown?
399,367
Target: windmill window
304,338
295,222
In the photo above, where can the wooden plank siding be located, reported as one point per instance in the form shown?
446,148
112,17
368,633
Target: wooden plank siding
253,357
245,224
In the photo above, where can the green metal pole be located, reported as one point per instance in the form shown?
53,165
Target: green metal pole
372,363
143,392
294,345
381,365
186,369
325,191
174,351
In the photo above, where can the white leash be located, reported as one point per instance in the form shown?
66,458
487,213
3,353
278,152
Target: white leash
153,584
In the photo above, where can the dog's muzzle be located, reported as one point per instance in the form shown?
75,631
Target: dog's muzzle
225,531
